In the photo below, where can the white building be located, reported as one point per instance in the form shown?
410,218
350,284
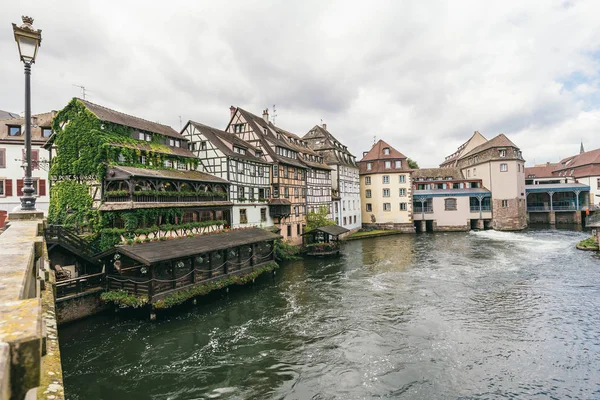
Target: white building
12,156
225,155
345,180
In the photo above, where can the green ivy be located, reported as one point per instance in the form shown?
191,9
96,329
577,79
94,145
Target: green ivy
205,288
286,251
71,205
123,298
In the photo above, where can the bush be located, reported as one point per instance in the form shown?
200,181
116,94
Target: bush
286,251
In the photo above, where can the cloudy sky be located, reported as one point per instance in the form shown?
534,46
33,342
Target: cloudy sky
422,75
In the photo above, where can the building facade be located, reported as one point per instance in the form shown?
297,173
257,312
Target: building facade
287,205
443,200
345,178
12,161
499,164
386,189
225,155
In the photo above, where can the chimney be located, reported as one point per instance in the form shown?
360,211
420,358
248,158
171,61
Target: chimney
266,114
324,126
232,111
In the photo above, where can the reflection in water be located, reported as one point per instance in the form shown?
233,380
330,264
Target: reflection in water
434,316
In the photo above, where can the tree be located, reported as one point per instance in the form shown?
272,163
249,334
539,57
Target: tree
412,163
318,219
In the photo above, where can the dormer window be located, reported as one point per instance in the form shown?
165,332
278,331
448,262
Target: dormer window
258,153
388,164
148,137
203,145
502,153
369,166
386,151
398,164
239,150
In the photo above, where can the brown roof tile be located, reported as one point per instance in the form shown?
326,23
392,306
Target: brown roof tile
437,172
541,171
116,117
170,174
499,141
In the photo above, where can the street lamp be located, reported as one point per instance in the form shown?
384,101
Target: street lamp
28,41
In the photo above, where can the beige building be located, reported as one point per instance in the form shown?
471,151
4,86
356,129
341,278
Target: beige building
444,200
385,189
500,166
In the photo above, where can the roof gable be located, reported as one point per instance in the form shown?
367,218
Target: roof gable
377,152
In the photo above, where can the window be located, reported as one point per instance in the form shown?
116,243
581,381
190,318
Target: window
386,151
387,207
243,216
368,193
503,167
468,173
172,142
289,231
504,203
241,192
238,128
286,192
402,179
168,163
261,171
182,166
369,207
298,228
386,192
345,223
367,180
502,153
388,164
241,169
14,131
275,170
38,185
402,192
239,150
178,143
450,204
2,188
275,191
46,132
355,219
386,179
369,166
2,158
148,137
203,145
474,171
263,214
403,207
142,160
598,183
475,159
295,192
397,164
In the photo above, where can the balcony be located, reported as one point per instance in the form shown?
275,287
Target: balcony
163,197
419,209
483,208
546,208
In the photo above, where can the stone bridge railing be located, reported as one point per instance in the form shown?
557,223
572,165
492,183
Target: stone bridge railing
29,352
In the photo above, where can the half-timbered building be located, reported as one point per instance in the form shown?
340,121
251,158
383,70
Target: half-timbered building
287,204
225,155
318,174
345,178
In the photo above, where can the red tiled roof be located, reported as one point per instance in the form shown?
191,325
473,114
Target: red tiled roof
376,153
541,171
499,141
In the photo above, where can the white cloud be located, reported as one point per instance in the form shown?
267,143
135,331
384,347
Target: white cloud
421,75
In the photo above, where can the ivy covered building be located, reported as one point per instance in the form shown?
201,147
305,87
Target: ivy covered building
125,179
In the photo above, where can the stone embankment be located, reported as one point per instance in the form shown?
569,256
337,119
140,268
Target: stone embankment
30,364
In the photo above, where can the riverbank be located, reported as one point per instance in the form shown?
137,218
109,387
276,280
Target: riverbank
588,244
369,234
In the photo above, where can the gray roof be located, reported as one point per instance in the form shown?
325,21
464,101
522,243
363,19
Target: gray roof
155,252
450,192
333,230
170,174
8,115
557,187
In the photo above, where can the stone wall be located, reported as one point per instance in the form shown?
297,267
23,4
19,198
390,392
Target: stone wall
80,306
405,228
511,218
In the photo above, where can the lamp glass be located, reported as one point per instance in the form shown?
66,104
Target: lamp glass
27,47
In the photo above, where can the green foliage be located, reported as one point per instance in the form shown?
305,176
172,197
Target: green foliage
205,288
588,243
412,163
286,251
176,194
124,299
71,205
318,219
117,193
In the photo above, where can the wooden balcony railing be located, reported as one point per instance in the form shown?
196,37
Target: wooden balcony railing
157,198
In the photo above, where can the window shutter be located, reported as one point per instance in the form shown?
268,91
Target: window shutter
2,158
8,187
35,157
19,187
42,187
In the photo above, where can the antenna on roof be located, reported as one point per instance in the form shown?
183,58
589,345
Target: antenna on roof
374,139
274,114
180,123
82,90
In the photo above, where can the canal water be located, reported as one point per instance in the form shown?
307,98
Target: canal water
479,315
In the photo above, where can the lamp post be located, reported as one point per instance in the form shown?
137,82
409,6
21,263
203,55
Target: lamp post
28,40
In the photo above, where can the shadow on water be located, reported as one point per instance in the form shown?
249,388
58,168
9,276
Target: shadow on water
452,315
